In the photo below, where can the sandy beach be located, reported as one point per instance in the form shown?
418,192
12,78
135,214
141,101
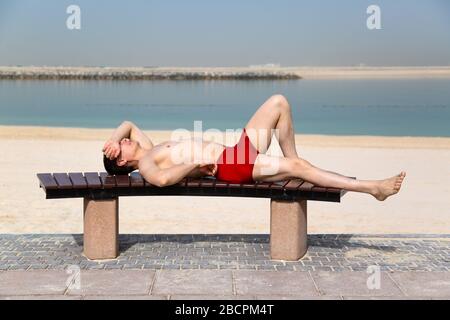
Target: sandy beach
423,205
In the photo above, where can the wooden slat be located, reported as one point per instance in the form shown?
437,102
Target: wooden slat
181,183
334,191
235,185
47,181
123,181
294,184
107,180
193,182
221,184
306,186
207,182
278,185
263,185
63,181
93,180
78,180
319,189
136,179
249,185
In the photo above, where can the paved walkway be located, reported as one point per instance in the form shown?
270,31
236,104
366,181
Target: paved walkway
227,267
221,284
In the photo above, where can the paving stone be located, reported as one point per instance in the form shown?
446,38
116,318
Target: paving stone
113,282
13,258
266,268
41,297
326,252
227,266
296,297
284,268
145,266
193,282
273,282
247,267
39,266
129,297
386,298
32,282
353,284
428,284
210,297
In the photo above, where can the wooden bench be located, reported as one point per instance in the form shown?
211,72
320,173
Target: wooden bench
101,192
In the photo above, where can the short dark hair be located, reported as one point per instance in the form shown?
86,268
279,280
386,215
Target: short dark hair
113,169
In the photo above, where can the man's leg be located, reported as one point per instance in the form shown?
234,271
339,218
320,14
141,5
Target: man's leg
272,169
275,113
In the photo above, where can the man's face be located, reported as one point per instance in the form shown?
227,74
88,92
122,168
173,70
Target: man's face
127,151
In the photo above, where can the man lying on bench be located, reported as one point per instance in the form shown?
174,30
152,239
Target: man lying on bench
168,163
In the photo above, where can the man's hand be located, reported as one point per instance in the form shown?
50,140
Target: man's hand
111,149
208,169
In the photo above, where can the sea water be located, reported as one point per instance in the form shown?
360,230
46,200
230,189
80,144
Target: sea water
394,107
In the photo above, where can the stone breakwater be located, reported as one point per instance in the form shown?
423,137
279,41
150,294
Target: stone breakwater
62,73
219,73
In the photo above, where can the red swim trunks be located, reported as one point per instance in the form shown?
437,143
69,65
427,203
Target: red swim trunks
235,164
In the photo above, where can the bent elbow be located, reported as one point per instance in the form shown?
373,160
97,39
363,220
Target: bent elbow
162,182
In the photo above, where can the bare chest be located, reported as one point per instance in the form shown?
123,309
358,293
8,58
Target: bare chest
170,153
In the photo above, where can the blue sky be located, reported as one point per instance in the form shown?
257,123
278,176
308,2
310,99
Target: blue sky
224,33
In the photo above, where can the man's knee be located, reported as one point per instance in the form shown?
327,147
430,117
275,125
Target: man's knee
280,101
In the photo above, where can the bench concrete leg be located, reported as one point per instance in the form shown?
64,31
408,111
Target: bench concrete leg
288,234
101,228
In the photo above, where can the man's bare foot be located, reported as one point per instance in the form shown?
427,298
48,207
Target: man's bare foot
388,187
